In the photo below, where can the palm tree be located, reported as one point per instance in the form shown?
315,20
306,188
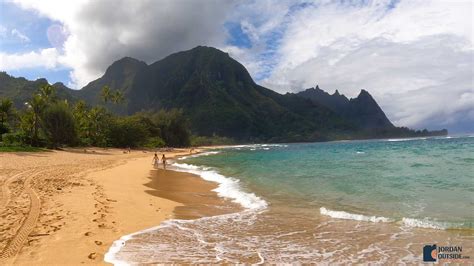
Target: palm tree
95,118
47,92
117,97
105,94
6,108
36,105
79,109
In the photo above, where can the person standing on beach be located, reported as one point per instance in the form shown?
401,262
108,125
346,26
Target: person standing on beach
163,160
155,161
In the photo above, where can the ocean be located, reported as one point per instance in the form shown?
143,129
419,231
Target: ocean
375,201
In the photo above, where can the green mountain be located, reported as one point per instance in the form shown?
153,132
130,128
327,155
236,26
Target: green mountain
19,90
362,110
118,76
219,97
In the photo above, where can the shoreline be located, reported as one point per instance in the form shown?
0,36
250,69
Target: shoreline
121,194
152,199
319,235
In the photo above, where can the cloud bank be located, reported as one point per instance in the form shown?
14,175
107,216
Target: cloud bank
100,32
414,56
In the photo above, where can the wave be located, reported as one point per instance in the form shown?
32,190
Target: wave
406,139
117,245
411,222
228,187
352,216
408,222
207,153
110,255
254,147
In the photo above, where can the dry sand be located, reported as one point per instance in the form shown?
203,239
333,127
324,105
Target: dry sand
67,207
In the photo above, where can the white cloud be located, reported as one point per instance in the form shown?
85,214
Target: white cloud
412,55
22,37
13,34
413,58
47,58
101,32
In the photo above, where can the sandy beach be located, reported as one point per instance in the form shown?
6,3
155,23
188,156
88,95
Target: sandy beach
67,207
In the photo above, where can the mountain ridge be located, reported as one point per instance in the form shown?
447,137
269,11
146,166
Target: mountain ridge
362,109
219,97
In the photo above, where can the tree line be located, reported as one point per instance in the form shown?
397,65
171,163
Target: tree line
48,121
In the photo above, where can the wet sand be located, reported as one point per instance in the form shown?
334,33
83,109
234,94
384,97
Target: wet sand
67,207
194,194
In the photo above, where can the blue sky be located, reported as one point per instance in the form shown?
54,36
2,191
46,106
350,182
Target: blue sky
34,28
413,56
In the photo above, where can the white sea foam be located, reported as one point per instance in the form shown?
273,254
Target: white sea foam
411,222
352,216
408,222
228,187
256,146
111,255
453,137
407,139
207,153
117,245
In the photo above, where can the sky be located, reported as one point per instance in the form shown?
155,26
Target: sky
416,57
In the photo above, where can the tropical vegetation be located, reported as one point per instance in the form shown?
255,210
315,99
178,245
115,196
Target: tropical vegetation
49,121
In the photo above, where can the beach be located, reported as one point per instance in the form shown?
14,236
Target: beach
348,202
67,207
261,203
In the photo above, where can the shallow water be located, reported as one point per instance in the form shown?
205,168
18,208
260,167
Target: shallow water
349,202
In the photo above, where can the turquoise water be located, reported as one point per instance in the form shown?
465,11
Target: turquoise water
425,179
352,202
